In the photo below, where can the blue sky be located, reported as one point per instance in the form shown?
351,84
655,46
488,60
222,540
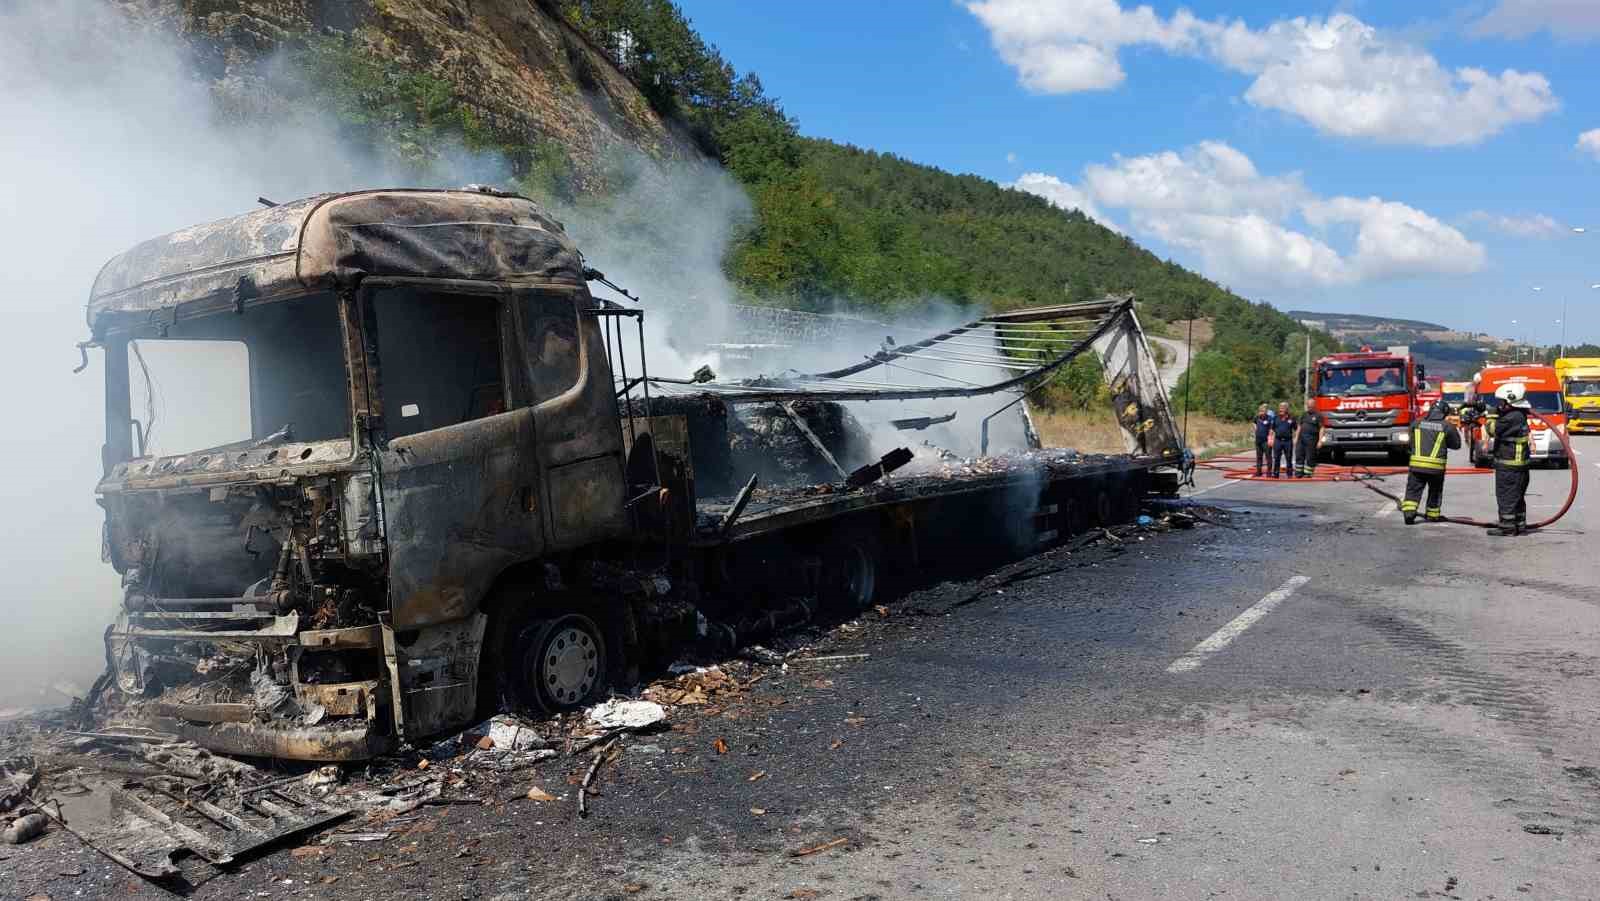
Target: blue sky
1422,159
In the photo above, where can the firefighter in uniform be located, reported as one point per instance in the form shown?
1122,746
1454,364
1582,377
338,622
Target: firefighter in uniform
1283,429
1310,430
1432,440
1510,433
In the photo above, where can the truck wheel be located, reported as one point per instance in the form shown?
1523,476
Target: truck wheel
560,664
1399,458
851,564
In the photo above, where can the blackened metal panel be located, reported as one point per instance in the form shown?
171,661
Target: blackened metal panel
456,514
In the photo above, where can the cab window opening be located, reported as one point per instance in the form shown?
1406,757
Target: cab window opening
440,359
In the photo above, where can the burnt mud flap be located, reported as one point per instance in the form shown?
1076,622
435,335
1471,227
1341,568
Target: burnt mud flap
149,826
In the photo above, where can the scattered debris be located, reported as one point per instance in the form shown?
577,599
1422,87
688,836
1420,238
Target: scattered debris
26,828
836,658
352,837
508,733
872,472
720,746
538,794
817,849
1539,829
323,776
757,776
632,715
608,752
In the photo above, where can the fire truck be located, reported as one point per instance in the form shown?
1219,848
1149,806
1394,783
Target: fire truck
1367,402
1544,397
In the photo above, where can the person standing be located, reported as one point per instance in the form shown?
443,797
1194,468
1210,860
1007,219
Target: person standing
1306,449
1263,424
1511,460
1432,440
1283,429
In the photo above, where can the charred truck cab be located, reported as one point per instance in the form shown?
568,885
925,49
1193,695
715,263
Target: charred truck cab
375,466
334,428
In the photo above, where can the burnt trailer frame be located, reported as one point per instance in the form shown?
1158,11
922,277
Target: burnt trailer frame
406,568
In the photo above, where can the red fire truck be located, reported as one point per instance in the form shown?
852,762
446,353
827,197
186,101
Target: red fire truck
1367,402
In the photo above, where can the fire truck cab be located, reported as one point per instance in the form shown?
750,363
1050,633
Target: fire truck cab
1367,402
1544,398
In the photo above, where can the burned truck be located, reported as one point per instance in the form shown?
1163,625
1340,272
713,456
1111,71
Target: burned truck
376,464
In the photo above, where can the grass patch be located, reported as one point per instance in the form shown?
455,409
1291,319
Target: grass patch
1096,432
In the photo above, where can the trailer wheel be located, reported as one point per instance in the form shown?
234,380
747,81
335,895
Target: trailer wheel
1102,507
851,565
560,664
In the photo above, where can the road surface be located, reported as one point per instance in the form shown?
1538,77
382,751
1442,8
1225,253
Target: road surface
1316,702
1177,365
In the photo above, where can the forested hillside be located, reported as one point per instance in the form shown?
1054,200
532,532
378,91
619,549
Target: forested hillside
839,225
571,94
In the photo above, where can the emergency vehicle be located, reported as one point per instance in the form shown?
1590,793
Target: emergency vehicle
1544,398
1580,383
1367,402
1428,394
1454,394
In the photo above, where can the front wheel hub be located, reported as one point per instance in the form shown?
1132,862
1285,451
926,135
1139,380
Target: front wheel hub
564,663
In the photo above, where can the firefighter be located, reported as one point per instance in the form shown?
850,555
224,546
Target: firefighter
1510,451
1283,429
1432,439
1263,424
1310,431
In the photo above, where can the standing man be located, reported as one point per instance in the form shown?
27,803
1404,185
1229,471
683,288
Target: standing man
1511,460
1310,431
1432,440
1263,423
1283,429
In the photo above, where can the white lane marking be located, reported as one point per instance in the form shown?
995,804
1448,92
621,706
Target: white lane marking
1387,508
1225,635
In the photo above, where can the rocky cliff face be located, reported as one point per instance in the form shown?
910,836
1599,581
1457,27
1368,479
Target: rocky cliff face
522,69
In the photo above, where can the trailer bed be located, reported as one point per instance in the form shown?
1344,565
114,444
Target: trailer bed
1044,473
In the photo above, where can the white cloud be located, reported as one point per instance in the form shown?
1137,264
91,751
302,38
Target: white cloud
1564,19
1011,158
1346,79
1534,226
1063,46
1339,74
1063,195
1260,230
1589,142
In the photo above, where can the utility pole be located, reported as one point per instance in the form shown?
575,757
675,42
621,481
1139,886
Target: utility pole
1305,388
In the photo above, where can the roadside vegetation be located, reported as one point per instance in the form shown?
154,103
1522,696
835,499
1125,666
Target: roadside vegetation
1096,432
835,226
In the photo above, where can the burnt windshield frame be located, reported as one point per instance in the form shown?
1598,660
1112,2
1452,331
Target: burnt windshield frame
296,349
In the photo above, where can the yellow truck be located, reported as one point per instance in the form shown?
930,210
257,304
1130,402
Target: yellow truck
1580,381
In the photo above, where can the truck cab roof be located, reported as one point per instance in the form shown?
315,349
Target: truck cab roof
332,240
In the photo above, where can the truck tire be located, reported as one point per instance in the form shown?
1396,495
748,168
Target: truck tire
852,566
1399,457
558,664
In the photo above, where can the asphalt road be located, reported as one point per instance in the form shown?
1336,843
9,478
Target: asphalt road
1316,702
1174,369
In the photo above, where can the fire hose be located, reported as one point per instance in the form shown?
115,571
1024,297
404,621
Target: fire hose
1367,478
1572,492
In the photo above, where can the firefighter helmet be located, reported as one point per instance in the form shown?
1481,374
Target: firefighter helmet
1512,393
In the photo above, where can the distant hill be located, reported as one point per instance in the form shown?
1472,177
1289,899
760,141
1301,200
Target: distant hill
1446,352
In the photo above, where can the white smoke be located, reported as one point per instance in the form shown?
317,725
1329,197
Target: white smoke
109,139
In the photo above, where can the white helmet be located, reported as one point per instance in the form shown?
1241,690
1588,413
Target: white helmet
1512,393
